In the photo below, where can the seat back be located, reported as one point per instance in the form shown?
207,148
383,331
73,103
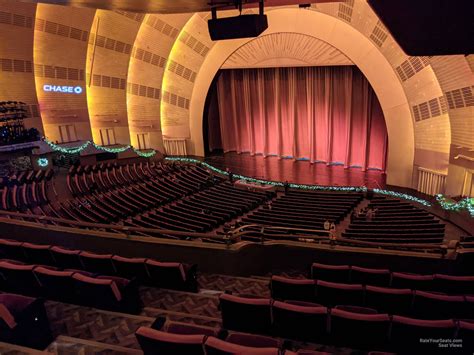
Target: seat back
11,249
408,334
131,267
412,281
367,276
94,292
155,342
283,288
331,294
389,300
331,273
299,322
369,331
66,258
18,278
215,346
99,263
166,274
466,334
57,285
252,315
428,305
456,285
38,254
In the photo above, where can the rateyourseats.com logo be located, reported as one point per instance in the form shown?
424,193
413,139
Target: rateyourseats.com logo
63,89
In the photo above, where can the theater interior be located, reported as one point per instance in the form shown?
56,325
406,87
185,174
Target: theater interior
236,177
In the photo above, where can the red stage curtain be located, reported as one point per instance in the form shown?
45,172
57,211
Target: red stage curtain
324,114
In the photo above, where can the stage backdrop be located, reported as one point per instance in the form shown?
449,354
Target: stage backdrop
324,114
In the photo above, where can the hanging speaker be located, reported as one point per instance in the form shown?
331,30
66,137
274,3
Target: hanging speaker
243,26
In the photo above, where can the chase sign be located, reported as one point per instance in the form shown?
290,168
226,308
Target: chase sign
62,89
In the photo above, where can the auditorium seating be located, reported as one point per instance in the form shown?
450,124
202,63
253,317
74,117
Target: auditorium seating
415,303
349,326
23,321
150,272
395,221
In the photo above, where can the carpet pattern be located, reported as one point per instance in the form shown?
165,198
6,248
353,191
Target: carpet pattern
236,285
92,324
183,302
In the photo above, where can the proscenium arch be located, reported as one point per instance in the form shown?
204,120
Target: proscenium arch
359,49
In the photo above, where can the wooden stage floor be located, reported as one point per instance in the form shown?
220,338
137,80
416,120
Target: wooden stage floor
296,171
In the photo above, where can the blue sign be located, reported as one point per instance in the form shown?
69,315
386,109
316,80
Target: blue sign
63,89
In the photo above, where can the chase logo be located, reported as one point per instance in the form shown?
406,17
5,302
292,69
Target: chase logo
63,89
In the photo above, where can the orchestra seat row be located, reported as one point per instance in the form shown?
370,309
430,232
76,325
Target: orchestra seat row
23,321
71,286
171,275
180,338
383,277
418,304
342,326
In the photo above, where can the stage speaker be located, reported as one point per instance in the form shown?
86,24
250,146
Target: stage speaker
243,26
429,27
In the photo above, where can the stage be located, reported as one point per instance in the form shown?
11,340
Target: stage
296,171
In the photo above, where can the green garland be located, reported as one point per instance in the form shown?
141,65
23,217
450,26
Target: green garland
467,204
76,150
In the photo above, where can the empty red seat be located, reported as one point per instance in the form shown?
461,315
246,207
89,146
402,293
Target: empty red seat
215,346
131,267
412,281
172,275
253,340
332,273
410,335
66,258
251,315
185,328
428,305
456,285
18,278
155,342
56,285
23,321
368,331
389,300
368,276
300,322
11,249
284,288
331,294
38,254
99,263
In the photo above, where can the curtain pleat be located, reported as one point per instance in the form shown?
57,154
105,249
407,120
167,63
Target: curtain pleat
323,114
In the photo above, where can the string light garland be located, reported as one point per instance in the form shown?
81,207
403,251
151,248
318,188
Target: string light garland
76,150
466,203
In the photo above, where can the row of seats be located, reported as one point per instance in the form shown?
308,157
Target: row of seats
180,338
304,210
395,221
23,321
71,286
384,277
171,275
341,326
418,304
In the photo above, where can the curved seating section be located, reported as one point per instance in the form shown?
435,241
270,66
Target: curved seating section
298,210
395,221
342,327
383,277
25,190
413,303
23,321
146,271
